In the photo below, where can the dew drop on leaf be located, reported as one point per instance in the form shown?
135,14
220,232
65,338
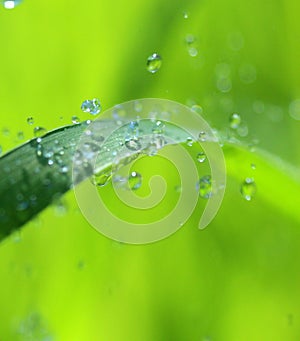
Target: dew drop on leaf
154,63
235,120
201,157
134,181
39,131
248,189
204,186
30,120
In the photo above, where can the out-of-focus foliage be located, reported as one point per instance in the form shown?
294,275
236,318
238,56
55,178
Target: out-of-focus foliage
236,280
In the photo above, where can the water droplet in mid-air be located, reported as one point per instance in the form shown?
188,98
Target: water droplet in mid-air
39,131
10,4
248,188
201,157
235,120
204,186
92,106
30,120
154,63
134,180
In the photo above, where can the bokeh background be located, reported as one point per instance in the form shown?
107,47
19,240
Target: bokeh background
238,279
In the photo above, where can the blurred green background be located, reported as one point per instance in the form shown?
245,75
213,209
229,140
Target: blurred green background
238,279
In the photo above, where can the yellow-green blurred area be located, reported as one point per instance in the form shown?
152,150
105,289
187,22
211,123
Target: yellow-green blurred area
236,280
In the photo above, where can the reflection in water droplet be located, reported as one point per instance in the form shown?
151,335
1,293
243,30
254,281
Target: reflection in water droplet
235,120
39,131
248,189
185,15
134,181
91,106
201,157
204,186
154,63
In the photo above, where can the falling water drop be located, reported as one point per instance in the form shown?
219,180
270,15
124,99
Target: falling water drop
91,106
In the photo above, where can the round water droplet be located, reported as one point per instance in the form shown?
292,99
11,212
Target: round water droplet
253,166
75,119
248,188
91,106
133,144
134,181
30,120
201,157
204,186
39,131
158,128
11,4
185,15
235,120
154,63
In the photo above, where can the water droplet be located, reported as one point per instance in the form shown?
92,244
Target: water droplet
101,179
138,106
154,63
235,120
75,119
133,129
30,120
134,181
197,108
248,188
158,128
253,166
202,136
39,131
11,4
133,144
224,84
185,15
91,106
20,135
201,157
204,186
191,45
242,130
189,141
